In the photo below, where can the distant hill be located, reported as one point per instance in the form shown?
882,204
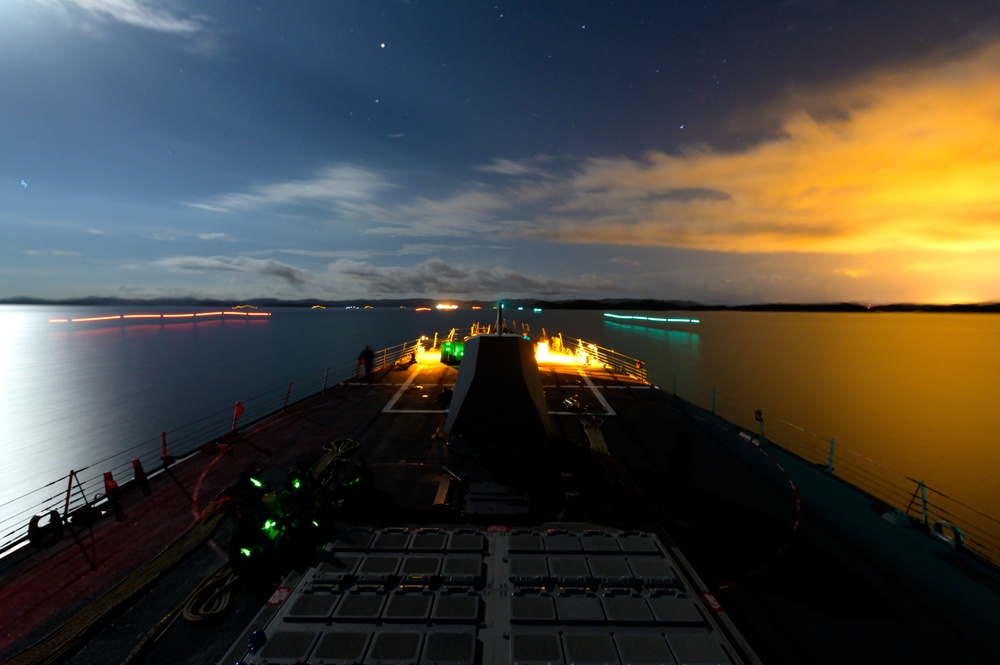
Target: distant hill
613,304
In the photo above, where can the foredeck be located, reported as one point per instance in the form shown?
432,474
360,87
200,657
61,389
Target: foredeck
803,565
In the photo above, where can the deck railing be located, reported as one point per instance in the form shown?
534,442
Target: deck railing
897,491
87,485
980,533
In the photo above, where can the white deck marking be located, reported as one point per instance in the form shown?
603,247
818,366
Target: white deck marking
399,393
597,393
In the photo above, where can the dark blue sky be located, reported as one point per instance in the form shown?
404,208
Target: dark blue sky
721,151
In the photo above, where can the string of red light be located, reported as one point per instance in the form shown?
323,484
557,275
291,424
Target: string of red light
192,315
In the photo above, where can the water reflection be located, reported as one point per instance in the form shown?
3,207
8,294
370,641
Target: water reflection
669,354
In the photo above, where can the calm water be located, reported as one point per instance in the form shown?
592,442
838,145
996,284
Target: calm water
915,392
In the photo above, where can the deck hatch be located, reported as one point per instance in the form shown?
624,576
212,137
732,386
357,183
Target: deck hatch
352,539
627,609
392,648
462,569
701,649
535,649
429,541
643,649
408,607
579,608
420,566
568,569
288,647
391,540
312,607
464,541
341,648
337,568
456,608
458,596
360,606
532,608
451,648
590,649
561,542
610,572
674,610
527,570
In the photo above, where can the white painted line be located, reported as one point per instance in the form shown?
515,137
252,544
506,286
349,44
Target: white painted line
597,393
399,393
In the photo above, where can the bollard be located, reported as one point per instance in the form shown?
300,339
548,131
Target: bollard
113,494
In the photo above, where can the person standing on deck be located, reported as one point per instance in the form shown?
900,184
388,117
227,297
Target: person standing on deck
368,358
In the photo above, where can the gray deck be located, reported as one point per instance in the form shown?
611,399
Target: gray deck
845,586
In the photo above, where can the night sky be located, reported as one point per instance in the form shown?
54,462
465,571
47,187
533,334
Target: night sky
723,152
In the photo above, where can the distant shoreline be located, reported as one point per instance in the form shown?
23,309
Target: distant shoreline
616,304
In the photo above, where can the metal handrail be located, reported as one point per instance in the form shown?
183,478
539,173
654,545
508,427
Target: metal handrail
78,488
897,490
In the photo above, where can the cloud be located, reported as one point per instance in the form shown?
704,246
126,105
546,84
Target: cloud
901,160
242,264
436,277
139,14
521,167
467,213
53,253
215,236
620,260
854,273
343,187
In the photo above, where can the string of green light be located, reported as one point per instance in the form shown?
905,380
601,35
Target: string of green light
649,318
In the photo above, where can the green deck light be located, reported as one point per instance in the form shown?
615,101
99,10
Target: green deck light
656,319
256,483
245,551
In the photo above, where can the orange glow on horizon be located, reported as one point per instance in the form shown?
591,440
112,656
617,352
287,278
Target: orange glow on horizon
898,162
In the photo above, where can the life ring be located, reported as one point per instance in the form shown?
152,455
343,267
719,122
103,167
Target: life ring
45,535
948,533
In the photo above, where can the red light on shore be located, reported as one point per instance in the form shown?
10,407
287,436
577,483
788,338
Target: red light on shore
96,318
189,315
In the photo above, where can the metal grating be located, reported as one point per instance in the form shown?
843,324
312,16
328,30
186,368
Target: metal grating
464,596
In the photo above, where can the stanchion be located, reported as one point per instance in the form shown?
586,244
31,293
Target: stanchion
140,477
